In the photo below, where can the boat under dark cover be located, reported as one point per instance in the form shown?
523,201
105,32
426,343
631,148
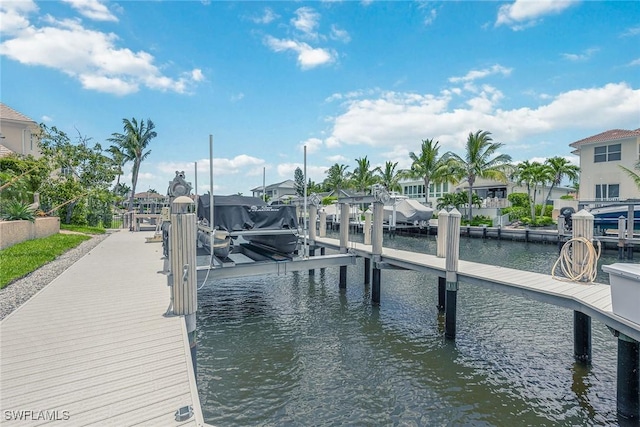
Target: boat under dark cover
257,222
606,217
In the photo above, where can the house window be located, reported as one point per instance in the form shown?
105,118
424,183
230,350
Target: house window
607,191
437,190
607,153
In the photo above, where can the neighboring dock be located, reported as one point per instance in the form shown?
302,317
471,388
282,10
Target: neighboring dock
590,298
95,348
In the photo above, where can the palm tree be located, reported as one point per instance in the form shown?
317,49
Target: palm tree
133,142
389,177
532,174
336,178
363,177
560,168
428,166
119,159
633,175
481,161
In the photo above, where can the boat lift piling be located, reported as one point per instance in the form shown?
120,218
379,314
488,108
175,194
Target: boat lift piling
376,249
344,240
443,222
367,241
582,228
182,276
452,255
313,213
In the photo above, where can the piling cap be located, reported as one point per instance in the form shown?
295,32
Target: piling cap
455,212
443,212
182,204
582,214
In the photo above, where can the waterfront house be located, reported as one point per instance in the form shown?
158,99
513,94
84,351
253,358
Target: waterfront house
493,193
18,133
281,191
601,178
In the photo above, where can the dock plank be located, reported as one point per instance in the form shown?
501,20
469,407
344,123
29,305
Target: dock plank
95,342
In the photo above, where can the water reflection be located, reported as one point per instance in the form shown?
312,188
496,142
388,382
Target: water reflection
297,350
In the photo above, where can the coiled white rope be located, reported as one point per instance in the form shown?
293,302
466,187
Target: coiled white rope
588,265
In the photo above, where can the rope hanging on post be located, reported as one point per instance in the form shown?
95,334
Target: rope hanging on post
588,265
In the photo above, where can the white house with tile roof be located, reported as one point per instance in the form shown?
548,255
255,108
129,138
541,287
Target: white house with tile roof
601,155
18,133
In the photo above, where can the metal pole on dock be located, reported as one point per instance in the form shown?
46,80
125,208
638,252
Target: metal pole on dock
376,249
183,276
628,392
367,241
452,254
344,241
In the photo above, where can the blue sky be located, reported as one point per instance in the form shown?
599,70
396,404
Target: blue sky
347,79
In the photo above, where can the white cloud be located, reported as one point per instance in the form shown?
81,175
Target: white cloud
585,55
306,21
308,57
267,17
631,32
92,57
480,74
430,18
313,145
338,158
92,9
634,63
399,120
526,13
339,34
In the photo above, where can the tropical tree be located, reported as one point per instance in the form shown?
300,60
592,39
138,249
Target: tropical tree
633,175
363,177
133,142
298,177
337,177
532,174
389,177
481,160
429,166
85,171
560,168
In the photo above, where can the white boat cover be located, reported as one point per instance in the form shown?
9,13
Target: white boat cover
408,211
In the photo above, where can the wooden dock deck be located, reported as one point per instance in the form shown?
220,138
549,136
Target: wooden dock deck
591,299
94,346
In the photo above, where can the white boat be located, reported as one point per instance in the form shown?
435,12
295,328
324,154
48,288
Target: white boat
406,211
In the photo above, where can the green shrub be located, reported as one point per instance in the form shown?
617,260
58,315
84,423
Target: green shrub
516,213
567,197
16,211
547,210
519,200
329,200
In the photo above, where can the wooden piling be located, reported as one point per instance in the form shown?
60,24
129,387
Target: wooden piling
452,254
621,236
581,337
313,213
367,241
582,228
442,292
628,389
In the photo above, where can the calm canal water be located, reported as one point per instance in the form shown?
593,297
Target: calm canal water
295,350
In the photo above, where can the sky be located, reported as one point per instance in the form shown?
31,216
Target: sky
345,79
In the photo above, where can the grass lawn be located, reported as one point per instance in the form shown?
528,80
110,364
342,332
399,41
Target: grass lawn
82,229
21,259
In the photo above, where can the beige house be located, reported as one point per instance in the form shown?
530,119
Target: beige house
280,191
493,193
601,155
18,133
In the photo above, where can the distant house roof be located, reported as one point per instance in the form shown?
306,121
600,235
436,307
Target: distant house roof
610,135
284,184
147,195
8,113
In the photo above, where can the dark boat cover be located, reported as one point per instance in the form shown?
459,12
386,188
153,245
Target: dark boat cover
241,213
